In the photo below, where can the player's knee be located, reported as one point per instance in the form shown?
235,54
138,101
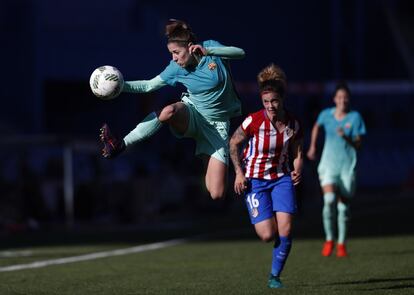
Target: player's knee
343,211
329,198
217,192
167,113
217,195
267,236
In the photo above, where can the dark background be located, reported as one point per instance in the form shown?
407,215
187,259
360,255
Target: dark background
50,48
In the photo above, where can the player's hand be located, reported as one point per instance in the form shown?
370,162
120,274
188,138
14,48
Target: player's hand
240,184
296,177
340,131
197,49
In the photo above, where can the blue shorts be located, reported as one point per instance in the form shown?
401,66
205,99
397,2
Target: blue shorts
264,197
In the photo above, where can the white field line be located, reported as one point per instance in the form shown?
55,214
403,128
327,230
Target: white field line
9,254
91,256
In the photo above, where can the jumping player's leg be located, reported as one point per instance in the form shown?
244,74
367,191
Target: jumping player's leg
212,143
175,114
216,178
145,129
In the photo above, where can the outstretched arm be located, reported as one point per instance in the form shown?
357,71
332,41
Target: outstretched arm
142,86
236,143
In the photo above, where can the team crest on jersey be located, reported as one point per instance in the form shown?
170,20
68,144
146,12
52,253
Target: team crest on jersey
212,66
347,125
254,212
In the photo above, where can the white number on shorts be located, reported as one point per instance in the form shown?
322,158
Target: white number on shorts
253,202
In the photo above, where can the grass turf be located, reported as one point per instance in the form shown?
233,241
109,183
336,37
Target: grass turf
235,265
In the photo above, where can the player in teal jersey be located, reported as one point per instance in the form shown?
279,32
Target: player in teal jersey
204,110
344,129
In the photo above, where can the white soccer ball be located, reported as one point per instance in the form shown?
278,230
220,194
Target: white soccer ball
106,82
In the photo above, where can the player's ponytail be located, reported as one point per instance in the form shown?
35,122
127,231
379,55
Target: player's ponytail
178,31
272,79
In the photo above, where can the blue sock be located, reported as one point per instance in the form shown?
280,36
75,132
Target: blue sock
280,254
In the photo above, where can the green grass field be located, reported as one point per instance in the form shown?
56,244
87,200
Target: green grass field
228,259
237,264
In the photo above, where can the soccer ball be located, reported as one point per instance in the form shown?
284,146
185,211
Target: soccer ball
106,82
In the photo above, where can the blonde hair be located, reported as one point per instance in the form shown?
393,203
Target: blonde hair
272,79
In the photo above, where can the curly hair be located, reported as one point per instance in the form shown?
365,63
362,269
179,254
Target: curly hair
179,31
272,79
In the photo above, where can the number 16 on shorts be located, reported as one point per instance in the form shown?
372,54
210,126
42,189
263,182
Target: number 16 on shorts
253,204
259,206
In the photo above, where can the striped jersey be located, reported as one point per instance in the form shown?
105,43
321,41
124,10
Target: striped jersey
266,155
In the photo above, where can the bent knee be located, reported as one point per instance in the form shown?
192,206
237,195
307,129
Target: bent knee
267,236
217,192
167,113
217,195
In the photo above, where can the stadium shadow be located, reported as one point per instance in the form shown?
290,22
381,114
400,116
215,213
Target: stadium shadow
401,283
371,216
370,281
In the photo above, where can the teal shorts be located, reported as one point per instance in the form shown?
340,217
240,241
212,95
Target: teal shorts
212,137
344,181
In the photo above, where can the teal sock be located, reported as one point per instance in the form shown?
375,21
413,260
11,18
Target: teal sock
148,127
343,210
327,215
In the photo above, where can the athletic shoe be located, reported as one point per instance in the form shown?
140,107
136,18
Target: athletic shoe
112,145
327,248
274,282
341,251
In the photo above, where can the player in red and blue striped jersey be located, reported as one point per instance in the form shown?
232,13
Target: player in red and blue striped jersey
264,174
